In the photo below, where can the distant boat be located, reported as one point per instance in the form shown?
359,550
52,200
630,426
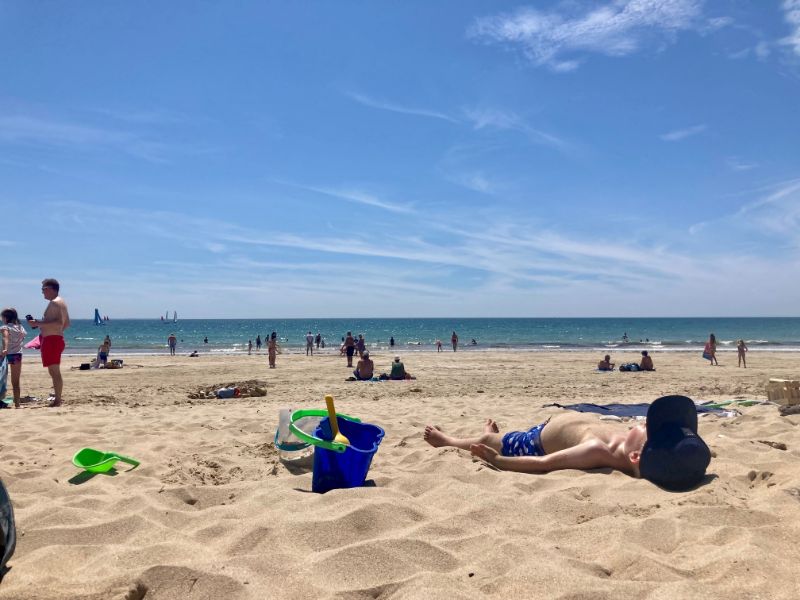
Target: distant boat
97,319
174,316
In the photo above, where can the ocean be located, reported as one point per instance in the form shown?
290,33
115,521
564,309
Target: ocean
411,335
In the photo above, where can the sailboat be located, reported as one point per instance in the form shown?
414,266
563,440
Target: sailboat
174,316
97,319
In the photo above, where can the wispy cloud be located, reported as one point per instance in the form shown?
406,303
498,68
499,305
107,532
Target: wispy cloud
398,108
24,129
682,134
477,118
491,118
737,164
559,41
356,196
791,14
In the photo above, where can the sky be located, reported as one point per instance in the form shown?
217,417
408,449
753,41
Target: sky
402,159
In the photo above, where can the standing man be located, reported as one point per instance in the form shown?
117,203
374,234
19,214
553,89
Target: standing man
172,341
258,343
309,344
318,339
349,346
454,341
53,324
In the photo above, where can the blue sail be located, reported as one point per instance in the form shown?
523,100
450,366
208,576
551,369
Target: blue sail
97,319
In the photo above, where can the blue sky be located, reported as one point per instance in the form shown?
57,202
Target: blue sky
462,158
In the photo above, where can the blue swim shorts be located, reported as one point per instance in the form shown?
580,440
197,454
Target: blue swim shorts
524,443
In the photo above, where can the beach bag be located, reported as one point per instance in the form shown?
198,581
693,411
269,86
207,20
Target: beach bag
629,367
706,355
8,532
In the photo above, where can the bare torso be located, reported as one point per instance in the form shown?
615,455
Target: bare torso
571,429
56,317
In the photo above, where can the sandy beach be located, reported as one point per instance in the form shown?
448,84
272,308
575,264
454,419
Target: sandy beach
212,512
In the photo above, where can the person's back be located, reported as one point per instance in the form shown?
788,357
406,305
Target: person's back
365,367
398,370
647,363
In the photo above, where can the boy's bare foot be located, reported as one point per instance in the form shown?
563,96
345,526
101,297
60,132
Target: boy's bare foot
491,426
434,436
55,403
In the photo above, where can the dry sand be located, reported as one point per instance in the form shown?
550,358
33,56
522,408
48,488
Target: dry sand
212,513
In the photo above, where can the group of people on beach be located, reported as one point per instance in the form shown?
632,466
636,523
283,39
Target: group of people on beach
710,351
50,341
646,364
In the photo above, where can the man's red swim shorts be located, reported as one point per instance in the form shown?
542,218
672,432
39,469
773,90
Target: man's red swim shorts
52,347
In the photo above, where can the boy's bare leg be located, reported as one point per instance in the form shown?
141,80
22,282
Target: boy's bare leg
490,437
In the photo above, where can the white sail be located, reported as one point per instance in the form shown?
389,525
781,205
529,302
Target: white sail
174,316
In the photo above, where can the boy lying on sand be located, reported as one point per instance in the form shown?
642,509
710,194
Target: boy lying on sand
667,451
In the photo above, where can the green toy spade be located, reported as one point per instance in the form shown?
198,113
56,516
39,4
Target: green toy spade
96,461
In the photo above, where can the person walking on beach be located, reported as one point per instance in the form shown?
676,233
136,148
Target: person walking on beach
258,343
666,451
710,350
309,344
172,342
103,352
454,341
13,336
53,324
741,348
272,349
349,348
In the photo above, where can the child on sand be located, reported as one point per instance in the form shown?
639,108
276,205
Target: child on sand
741,348
13,336
667,451
605,364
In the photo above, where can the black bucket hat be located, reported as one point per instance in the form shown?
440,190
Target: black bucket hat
674,456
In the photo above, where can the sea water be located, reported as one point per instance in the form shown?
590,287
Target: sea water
232,335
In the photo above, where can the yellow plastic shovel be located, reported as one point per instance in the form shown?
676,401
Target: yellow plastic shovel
337,435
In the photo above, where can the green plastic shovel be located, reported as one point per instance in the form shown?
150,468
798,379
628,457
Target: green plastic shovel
95,461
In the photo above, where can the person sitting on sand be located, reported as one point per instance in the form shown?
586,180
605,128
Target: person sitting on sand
364,368
666,451
647,362
398,372
605,364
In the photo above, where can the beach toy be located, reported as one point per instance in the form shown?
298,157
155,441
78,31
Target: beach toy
337,435
96,461
228,392
337,465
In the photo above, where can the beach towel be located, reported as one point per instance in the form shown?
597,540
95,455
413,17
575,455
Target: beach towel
630,410
8,532
3,378
35,343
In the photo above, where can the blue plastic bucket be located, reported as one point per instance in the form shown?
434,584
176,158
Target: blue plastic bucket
333,470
